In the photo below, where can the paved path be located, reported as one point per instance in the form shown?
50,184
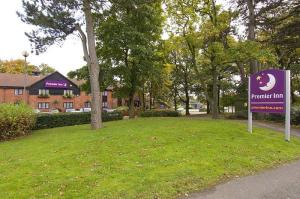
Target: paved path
280,183
276,127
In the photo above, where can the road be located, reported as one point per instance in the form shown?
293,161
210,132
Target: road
279,183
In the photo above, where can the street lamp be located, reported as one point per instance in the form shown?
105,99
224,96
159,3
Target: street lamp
25,55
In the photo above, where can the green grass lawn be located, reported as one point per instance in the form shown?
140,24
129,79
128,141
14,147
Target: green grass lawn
142,158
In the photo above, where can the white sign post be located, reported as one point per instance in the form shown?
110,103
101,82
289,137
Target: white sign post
288,105
249,107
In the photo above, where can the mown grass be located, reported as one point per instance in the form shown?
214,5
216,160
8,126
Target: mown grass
142,158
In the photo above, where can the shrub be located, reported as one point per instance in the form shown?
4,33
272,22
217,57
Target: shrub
242,115
15,120
45,121
123,109
295,116
160,113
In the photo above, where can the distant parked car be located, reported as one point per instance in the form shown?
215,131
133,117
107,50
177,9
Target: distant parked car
108,110
86,110
54,111
36,111
70,110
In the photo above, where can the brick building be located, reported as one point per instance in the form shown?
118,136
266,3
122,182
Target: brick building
54,91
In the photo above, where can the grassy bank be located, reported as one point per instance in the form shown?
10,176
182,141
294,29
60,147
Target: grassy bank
142,158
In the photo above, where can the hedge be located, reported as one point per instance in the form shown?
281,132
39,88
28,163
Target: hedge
295,116
45,121
15,120
160,113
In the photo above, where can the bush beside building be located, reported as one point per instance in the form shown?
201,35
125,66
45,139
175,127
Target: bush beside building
15,120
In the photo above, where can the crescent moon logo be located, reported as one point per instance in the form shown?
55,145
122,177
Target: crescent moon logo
270,85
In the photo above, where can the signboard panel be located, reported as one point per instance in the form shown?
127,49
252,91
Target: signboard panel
56,84
267,91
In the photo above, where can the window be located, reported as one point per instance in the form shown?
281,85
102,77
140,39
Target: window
68,105
43,105
68,92
104,96
87,104
104,104
43,92
18,91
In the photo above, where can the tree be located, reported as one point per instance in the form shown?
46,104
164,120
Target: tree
45,69
55,20
81,74
253,12
183,28
17,66
182,74
128,34
280,31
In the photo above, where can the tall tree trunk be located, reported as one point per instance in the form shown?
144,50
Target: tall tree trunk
94,69
187,102
144,101
215,111
150,95
251,31
175,101
186,90
131,105
207,107
219,90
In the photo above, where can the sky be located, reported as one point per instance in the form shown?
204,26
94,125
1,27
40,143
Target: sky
13,42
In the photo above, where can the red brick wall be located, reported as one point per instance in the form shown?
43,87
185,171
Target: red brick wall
8,96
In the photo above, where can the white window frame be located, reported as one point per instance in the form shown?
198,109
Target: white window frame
68,92
104,104
89,104
43,91
67,105
43,105
19,91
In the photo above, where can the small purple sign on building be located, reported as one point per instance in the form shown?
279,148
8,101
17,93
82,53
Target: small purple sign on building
56,84
267,91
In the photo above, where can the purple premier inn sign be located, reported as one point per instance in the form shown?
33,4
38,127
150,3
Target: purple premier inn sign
267,91
56,84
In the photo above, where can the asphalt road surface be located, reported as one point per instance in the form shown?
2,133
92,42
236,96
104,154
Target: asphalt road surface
280,183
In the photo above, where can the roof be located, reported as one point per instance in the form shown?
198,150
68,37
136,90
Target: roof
17,80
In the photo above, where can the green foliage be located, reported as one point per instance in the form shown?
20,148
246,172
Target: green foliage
45,121
43,96
160,113
129,34
17,67
15,120
46,69
123,109
68,96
